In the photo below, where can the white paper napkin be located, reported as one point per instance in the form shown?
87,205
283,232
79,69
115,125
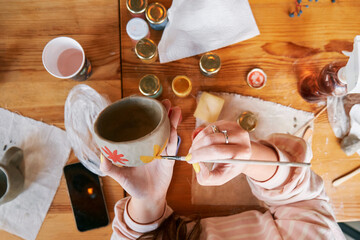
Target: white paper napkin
200,26
272,118
46,150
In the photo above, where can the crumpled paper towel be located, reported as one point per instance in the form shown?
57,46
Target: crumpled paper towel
46,150
272,118
200,26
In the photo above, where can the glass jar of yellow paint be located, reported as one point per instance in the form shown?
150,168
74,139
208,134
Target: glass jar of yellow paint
146,50
181,86
150,86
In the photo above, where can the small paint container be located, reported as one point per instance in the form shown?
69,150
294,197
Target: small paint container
247,121
137,29
210,64
181,86
137,7
150,86
156,14
146,50
256,78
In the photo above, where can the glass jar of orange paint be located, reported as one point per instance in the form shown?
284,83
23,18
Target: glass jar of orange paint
181,86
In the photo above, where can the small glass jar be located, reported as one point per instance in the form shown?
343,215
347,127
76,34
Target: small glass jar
137,7
181,86
146,50
156,14
150,86
247,121
256,78
137,29
210,64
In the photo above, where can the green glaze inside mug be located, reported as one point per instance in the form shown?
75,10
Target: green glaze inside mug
132,131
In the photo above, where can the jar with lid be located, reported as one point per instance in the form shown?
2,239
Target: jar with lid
209,64
137,7
150,86
146,50
156,14
137,29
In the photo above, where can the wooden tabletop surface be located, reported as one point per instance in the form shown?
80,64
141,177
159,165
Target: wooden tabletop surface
318,36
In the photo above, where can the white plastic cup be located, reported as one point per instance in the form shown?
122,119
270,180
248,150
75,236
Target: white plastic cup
52,52
137,29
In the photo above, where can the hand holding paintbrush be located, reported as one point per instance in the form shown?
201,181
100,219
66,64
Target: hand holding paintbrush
229,147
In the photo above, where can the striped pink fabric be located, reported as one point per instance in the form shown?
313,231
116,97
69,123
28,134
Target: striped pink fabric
298,207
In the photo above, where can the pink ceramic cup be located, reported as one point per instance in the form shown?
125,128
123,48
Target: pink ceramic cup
132,131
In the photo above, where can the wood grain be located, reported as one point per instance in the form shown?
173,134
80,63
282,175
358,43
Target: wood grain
284,46
28,89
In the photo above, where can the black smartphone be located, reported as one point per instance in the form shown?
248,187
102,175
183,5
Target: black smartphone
87,198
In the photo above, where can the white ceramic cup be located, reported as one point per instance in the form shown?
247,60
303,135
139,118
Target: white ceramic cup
52,52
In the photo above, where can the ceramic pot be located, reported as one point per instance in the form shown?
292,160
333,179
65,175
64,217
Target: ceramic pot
132,131
11,176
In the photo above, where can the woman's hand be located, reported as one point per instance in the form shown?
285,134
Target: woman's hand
149,183
208,146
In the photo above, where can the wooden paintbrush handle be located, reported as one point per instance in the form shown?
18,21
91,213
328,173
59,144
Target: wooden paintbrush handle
346,177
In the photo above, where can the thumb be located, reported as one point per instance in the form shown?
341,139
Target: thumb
115,172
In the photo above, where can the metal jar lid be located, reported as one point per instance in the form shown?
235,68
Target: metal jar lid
210,63
156,13
256,78
136,6
145,49
247,121
149,85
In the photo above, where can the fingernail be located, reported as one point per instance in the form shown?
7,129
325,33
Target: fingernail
196,132
196,167
101,158
188,157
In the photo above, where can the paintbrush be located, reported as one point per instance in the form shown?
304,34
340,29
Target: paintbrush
244,161
300,130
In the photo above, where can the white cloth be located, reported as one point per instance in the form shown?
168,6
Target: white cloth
200,26
46,150
272,118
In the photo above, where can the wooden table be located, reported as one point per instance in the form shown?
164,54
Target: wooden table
319,34
26,87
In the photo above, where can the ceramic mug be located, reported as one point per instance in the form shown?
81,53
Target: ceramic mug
132,131
11,177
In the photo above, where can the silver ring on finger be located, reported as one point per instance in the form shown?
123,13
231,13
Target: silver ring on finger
226,136
215,129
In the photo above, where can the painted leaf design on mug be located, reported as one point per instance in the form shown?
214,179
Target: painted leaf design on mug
157,153
114,156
